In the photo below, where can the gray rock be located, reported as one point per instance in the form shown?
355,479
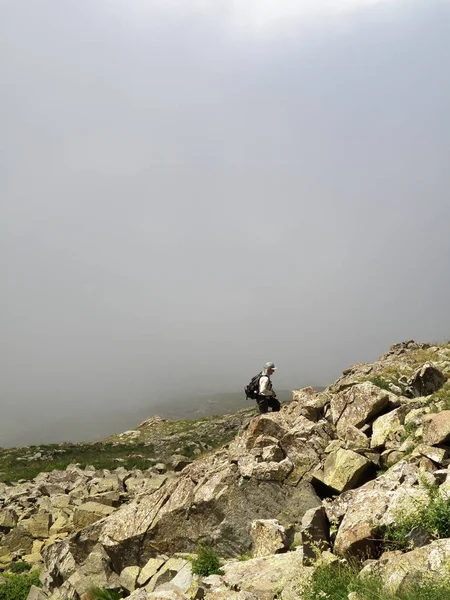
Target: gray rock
36,593
418,537
179,462
269,537
426,380
358,404
401,570
373,505
344,469
8,518
129,577
315,534
436,428
89,513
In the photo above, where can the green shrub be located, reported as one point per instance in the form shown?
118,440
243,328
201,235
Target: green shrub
17,586
206,562
246,556
19,567
380,382
98,593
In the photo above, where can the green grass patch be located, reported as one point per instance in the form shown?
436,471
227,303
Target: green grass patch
335,581
410,429
442,396
246,556
59,457
380,382
17,586
156,443
433,518
98,593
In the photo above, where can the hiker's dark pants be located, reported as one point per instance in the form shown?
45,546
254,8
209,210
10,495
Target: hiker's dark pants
265,401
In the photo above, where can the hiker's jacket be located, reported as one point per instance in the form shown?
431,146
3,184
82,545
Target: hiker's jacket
265,385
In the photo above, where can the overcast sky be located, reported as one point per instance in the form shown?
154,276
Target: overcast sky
191,189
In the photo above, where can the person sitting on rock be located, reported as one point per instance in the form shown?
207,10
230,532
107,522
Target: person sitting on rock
266,395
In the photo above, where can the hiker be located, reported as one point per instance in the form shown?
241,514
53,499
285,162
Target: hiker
266,396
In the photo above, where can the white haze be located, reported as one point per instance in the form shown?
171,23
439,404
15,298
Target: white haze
189,190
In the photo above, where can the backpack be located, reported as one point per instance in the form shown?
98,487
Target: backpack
252,390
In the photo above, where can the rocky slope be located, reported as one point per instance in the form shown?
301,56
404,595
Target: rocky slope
334,472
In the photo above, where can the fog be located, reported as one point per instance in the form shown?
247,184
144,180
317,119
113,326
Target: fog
189,190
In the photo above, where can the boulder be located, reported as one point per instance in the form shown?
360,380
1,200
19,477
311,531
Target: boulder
375,505
169,570
89,513
107,498
351,376
150,569
311,404
264,577
8,518
386,428
95,572
36,593
226,594
17,540
179,462
207,501
174,594
359,404
315,534
304,445
418,537
401,570
436,428
426,380
38,525
353,438
269,537
129,577
344,469
59,564
437,455
99,485
183,580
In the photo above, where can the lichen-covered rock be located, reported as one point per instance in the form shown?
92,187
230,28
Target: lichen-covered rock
36,593
353,438
437,455
269,537
372,506
38,525
264,577
168,571
436,428
129,577
315,534
426,380
89,513
399,571
95,572
344,469
310,404
8,518
359,404
387,427
17,540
